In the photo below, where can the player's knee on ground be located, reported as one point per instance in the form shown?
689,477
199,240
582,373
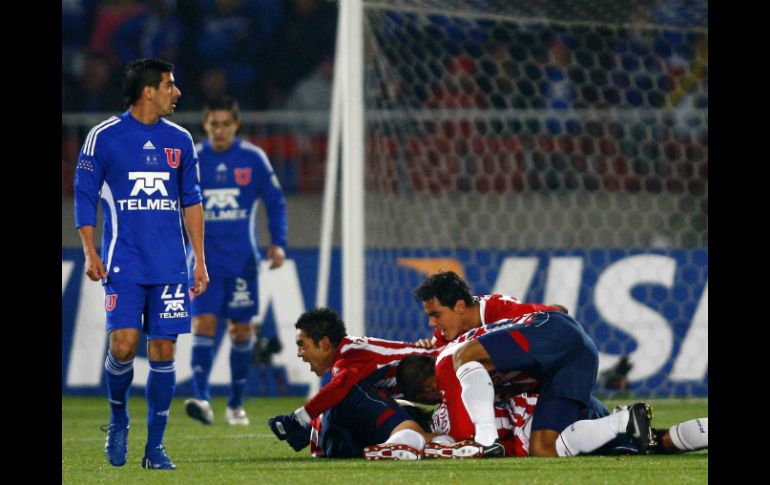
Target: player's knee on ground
205,324
543,443
239,331
472,351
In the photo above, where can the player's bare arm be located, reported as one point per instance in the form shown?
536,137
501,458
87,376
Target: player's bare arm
193,220
94,266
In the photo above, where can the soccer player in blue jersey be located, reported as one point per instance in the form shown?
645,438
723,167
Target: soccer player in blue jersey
144,169
234,174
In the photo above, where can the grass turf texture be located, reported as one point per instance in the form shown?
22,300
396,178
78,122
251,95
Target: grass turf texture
223,454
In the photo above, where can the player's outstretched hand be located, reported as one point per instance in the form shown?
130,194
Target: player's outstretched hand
288,428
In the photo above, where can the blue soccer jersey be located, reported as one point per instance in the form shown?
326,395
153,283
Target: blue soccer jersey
144,174
232,183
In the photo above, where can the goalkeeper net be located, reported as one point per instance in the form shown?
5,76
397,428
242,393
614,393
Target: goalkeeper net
555,151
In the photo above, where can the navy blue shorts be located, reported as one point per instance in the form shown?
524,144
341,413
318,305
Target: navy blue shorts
161,311
366,416
234,298
557,413
551,347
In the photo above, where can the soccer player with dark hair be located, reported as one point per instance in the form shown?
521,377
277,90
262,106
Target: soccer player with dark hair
357,404
235,175
452,309
530,341
144,168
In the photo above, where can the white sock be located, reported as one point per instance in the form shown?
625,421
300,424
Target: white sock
586,435
691,435
478,396
408,437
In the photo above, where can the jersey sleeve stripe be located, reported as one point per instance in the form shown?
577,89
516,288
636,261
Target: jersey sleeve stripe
110,200
91,133
253,228
379,349
183,130
246,145
91,144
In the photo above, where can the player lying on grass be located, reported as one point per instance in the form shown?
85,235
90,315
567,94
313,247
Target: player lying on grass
356,408
418,378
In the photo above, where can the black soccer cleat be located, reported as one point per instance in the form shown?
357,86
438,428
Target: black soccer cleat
639,428
495,450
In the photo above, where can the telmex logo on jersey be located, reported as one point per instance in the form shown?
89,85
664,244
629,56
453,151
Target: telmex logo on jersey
241,296
174,308
149,183
222,204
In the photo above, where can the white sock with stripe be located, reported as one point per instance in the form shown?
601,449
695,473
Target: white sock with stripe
691,435
586,435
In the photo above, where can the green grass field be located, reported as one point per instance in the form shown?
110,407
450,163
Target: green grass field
222,454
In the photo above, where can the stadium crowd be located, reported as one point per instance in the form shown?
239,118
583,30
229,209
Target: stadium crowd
255,50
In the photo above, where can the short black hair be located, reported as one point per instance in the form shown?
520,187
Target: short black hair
447,287
320,323
222,103
411,374
141,73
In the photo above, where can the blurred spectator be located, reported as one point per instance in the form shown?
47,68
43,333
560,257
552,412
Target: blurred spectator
234,37
314,93
76,18
155,32
94,90
560,91
458,88
306,35
109,17
212,84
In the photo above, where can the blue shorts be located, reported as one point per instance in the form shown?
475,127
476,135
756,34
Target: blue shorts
161,311
366,416
231,297
551,347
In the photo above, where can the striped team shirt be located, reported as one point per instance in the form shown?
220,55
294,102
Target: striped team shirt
360,358
145,175
233,181
494,308
513,418
512,413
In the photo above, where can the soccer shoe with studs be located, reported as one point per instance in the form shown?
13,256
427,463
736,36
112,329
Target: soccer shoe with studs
116,446
639,428
157,459
463,449
391,451
237,416
200,410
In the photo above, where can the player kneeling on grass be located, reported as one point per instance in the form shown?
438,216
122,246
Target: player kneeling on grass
357,415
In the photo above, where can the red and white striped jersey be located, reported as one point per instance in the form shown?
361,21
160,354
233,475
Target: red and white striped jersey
513,419
493,308
512,413
357,358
